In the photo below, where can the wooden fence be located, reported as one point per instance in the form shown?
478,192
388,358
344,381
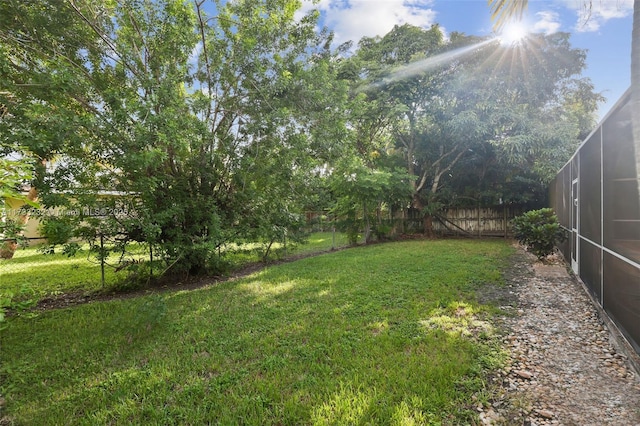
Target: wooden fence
478,222
471,222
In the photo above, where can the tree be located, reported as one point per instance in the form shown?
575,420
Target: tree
361,190
538,109
14,173
485,109
198,123
505,10
413,104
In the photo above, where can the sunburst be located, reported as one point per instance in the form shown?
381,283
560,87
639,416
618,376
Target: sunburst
513,33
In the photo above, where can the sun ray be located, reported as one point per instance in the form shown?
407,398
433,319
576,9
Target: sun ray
513,33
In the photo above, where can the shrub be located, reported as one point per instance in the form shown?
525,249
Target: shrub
539,231
57,231
383,232
351,227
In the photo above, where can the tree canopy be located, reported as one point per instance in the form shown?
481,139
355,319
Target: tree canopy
208,123
473,119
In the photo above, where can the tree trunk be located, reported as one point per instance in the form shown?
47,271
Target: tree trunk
427,219
428,226
367,224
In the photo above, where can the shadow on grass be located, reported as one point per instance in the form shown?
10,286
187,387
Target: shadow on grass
324,340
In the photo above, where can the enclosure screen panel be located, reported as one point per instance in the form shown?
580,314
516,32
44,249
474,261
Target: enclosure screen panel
554,194
565,248
622,296
590,267
589,192
575,167
620,199
566,181
563,205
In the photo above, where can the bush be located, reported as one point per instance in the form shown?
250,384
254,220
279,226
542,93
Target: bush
57,231
351,227
383,232
539,231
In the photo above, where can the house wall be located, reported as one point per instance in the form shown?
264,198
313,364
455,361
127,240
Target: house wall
106,203
13,210
596,196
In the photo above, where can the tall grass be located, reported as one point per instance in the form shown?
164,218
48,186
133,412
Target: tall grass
386,334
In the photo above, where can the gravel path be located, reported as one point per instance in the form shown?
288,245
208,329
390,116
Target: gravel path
567,368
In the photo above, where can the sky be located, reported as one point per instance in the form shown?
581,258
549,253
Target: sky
604,30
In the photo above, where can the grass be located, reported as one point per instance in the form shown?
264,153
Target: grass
385,334
31,274
240,255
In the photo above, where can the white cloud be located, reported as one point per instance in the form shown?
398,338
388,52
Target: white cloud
354,19
547,23
592,14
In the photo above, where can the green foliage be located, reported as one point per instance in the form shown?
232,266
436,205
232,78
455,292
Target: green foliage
383,231
217,125
12,229
494,124
351,227
57,231
297,343
18,302
11,237
539,230
361,190
14,174
208,126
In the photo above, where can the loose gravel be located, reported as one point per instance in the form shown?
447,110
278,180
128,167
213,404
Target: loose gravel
567,366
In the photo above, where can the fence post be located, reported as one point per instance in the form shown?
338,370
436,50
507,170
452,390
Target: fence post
504,208
333,235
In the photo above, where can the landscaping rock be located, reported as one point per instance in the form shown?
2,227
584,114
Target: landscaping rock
523,374
545,413
565,368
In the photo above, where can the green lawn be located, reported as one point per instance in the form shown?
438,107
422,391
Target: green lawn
38,275
385,334
31,274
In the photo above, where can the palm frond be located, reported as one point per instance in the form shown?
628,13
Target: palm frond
503,11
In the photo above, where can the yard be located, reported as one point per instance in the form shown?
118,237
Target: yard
32,275
383,334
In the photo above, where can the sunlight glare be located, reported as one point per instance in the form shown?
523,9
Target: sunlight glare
513,34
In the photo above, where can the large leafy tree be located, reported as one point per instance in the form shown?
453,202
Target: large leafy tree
504,11
410,103
538,110
205,123
367,180
494,108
